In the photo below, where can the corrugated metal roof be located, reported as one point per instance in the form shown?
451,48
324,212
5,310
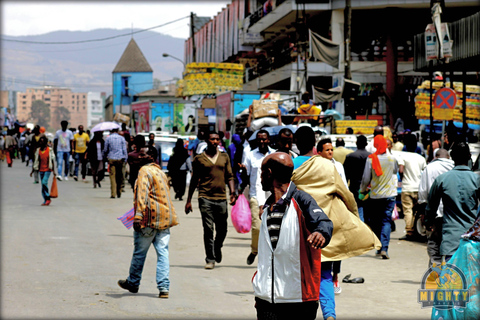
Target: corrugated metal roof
132,60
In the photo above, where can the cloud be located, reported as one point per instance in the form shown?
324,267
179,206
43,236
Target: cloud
21,18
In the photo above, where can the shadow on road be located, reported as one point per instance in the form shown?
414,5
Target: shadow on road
126,294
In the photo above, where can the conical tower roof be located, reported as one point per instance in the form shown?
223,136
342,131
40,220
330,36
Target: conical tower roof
132,60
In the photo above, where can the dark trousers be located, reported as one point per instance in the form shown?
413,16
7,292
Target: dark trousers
434,239
286,311
179,182
116,177
214,219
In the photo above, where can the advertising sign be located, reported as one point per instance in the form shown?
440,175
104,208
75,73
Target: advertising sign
141,116
162,116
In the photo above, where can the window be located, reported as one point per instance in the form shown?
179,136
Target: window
61,96
73,102
24,97
73,108
73,96
33,97
83,96
24,108
125,86
83,108
47,91
61,102
24,102
83,101
47,99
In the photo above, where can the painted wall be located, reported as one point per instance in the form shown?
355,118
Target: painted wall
137,82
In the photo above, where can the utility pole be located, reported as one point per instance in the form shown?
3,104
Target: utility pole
348,36
192,34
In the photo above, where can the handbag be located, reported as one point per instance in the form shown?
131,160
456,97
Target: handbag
54,189
241,215
395,215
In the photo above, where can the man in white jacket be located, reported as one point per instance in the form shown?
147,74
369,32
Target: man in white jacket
440,164
293,228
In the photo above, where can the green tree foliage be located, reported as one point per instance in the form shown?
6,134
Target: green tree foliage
62,113
40,113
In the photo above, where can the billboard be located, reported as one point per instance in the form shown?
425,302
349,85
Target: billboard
141,116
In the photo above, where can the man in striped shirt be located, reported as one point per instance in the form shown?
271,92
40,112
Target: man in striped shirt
154,216
115,150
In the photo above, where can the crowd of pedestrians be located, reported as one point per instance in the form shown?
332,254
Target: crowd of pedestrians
312,204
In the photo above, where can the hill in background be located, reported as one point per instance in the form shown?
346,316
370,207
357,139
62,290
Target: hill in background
84,66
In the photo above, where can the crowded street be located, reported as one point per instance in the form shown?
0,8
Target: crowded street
64,260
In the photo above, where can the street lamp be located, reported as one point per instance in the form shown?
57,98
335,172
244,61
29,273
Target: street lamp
165,55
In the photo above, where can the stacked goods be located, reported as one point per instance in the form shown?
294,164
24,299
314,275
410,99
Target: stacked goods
358,126
212,78
179,88
422,101
265,108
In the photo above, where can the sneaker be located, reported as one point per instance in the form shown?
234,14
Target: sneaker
35,182
66,178
127,286
59,178
251,258
210,265
84,180
336,287
74,178
163,294
47,203
385,255
407,237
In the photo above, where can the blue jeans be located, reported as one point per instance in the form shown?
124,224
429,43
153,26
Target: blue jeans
80,158
142,241
44,176
327,295
382,219
63,156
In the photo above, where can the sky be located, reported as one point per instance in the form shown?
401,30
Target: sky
21,18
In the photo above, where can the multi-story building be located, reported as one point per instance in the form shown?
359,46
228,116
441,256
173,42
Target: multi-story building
95,105
62,102
273,39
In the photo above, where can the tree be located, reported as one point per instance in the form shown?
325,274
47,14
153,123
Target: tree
40,113
62,113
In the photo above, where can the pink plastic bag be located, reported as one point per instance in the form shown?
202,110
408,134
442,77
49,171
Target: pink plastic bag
395,215
241,215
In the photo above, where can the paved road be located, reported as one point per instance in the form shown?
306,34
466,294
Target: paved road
63,261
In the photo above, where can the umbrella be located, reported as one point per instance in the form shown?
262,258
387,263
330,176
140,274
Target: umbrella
105,126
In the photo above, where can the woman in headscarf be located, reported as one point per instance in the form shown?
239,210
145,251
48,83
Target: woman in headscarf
179,165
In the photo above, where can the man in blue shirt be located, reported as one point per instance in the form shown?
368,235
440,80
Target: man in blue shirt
115,151
459,190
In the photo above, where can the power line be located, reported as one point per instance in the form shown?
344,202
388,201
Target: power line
95,40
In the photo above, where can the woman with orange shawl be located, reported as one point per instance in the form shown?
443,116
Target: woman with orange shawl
378,174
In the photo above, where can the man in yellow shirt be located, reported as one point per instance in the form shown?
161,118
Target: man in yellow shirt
80,141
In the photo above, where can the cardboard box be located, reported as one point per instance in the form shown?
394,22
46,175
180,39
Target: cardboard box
201,118
265,108
121,118
209,103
